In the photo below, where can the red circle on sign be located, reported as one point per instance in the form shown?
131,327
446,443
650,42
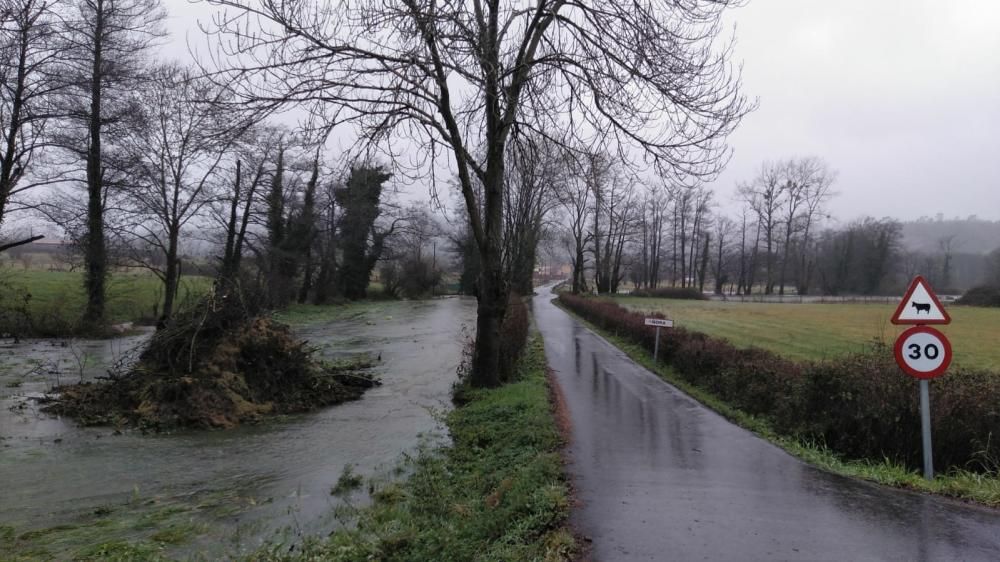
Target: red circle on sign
907,367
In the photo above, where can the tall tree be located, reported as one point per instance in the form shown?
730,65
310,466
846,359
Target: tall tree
107,42
764,195
255,154
817,193
361,240
574,196
460,77
31,53
176,151
536,167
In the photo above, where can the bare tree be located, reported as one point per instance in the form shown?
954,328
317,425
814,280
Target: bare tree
176,150
30,59
817,192
536,166
613,219
107,40
654,214
458,78
724,228
574,196
947,245
255,152
764,197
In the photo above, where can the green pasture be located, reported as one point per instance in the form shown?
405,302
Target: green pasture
131,296
821,331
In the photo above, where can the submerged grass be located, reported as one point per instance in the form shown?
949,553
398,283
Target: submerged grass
981,488
137,530
496,493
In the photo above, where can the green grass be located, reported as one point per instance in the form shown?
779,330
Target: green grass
963,484
497,493
822,331
131,296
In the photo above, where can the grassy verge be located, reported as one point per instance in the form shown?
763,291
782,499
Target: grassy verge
496,493
962,484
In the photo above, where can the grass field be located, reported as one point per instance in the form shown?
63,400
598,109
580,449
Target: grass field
131,296
820,331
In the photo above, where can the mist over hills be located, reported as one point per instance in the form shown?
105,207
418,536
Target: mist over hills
970,235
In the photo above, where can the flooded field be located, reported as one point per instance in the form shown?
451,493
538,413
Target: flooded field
209,493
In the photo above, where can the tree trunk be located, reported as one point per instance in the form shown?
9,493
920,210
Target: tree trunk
226,271
784,258
95,253
492,295
703,269
171,280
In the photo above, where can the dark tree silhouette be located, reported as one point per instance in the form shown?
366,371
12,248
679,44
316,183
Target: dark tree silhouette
106,43
458,78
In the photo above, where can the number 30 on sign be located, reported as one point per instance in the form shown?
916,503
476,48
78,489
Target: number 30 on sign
923,352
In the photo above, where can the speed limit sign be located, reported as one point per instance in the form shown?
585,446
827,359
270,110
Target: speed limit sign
923,352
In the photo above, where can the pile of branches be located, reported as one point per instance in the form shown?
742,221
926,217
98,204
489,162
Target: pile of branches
219,363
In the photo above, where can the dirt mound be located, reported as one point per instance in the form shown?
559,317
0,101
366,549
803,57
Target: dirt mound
215,368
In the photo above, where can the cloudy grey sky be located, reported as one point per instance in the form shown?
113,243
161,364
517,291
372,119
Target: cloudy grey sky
902,97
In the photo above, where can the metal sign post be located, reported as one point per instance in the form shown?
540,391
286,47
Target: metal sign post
656,346
659,323
925,427
922,352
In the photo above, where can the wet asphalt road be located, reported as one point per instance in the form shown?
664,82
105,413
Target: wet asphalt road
661,477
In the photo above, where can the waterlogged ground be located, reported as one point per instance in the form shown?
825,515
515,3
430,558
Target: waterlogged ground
66,489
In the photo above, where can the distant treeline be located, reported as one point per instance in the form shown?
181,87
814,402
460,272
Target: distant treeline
970,235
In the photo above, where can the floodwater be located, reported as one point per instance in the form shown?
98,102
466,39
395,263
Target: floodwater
236,488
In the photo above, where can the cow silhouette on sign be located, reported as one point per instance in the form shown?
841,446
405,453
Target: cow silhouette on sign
924,306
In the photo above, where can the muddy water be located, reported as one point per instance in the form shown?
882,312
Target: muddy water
233,489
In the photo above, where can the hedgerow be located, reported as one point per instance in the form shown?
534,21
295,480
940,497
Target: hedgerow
860,406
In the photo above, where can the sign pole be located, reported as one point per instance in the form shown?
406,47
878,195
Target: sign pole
656,345
925,425
922,351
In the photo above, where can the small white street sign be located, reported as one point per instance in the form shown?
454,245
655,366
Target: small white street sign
660,322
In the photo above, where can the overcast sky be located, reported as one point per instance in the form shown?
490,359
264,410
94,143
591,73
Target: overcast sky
901,97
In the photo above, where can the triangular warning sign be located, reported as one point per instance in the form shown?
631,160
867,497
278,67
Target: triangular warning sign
920,305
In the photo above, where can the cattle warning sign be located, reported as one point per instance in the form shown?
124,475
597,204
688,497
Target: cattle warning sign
920,305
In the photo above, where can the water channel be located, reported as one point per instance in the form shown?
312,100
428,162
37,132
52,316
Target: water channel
232,490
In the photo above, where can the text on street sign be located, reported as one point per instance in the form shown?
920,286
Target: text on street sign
923,352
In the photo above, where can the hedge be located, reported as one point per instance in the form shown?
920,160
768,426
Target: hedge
860,406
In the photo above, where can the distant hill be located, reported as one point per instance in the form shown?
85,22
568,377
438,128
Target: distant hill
971,235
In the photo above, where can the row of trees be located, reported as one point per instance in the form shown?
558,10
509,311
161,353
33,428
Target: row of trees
457,83
150,156
621,229
615,228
